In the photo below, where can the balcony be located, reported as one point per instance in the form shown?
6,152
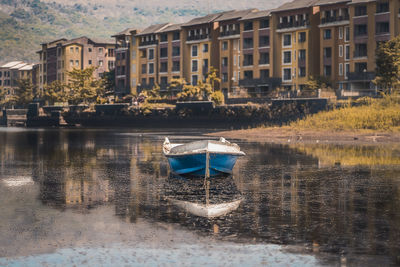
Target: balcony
293,24
361,76
145,43
272,82
229,33
327,20
198,37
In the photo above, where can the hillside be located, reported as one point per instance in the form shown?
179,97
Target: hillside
24,24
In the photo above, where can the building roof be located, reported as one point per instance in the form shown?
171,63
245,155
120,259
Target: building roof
11,64
154,29
17,67
205,19
27,67
257,15
353,2
103,41
171,28
296,4
232,15
127,31
330,2
54,41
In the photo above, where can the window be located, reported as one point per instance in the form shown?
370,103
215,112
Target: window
247,43
71,63
110,52
205,65
176,65
287,57
382,7
176,51
151,54
71,50
248,26
287,74
302,37
248,60
327,52
360,67
248,74
340,69
347,70
144,69
264,41
164,67
90,50
90,62
77,49
327,34
287,40
205,48
151,68
264,58
347,52
302,71
264,74
176,36
382,27
164,38
360,10
264,23
360,50
194,79
224,77
143,53
100,50
143,81
194,51
224,45
77,63
340,32
327,70
195,67
224,62
302,54
347,34
164,80
360,29
163,52
151,81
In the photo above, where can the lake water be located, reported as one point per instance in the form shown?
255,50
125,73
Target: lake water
106,197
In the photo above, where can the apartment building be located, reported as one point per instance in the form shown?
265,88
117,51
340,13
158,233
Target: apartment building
60,56
296,43
229,50
256,64
335,42
371,22
148,60
170,63
201,47
123,58
11,72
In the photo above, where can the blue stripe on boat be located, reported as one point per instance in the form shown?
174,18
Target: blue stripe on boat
195,164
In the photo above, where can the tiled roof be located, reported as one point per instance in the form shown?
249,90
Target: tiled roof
127,31
171,28
205,19
231,15
154,29
102,41
330,2
11,64
257,15
296,4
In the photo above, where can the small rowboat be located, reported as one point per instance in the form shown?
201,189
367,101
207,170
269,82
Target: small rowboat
202,158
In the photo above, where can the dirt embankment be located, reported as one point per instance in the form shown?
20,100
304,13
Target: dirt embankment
289,135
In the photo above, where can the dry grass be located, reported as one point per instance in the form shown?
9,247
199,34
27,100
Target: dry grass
369,114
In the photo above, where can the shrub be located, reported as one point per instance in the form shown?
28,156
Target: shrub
218,98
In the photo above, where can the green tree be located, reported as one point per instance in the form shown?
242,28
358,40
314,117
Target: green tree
55,92
175,85
83,87
388,65
109,81
24,93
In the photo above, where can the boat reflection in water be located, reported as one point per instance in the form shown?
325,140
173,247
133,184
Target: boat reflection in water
209,198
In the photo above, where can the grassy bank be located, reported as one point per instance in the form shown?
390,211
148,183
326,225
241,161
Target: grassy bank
363,114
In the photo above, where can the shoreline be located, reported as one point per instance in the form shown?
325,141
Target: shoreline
286,135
